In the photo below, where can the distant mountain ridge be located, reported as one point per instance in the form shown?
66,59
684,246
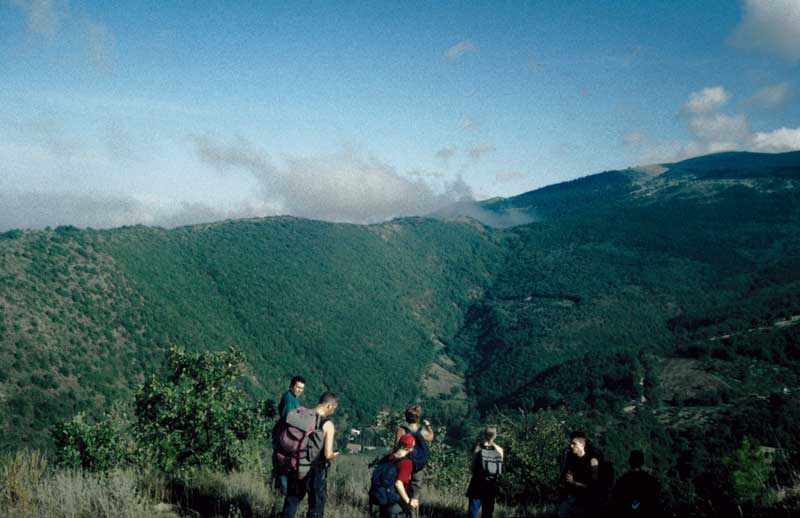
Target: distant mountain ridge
574,197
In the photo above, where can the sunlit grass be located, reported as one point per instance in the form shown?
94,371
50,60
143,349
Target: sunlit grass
31,489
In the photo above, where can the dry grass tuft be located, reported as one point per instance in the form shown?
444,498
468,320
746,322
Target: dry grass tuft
19,475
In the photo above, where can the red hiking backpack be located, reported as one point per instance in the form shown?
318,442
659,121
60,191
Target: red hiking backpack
297,441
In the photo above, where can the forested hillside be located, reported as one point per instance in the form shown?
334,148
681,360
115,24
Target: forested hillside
659,257
356,309
621,275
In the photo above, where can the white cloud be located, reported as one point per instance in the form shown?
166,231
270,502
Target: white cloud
51,18
770,26
772,96
45,17
712,131
783,139
421,173
458,50
470,124
634,139
99,43
534,67
42,209
446,152
716,132
721,128
476,151
706,100
508,176
345,187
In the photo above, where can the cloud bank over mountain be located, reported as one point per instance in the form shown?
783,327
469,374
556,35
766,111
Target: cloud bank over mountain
344,187
39,210
714,127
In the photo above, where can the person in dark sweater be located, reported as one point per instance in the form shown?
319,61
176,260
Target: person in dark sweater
636,492
580,474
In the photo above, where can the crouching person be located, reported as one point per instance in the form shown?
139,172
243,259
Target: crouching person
391,478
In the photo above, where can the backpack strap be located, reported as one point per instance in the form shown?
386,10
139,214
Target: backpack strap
417,434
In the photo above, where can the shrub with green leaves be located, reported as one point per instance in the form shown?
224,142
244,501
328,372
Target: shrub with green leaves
534,444
196,416
449,466
91,446
749,472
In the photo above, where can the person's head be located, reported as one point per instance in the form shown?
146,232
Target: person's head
577,443
327,403
297,385
404,445
490,434
413,414
636,459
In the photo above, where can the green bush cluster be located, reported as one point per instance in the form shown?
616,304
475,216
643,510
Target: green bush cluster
193,418
93,446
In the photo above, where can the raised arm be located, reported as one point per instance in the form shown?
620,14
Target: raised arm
499,450
427,431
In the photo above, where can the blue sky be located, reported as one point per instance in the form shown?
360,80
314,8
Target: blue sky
170,113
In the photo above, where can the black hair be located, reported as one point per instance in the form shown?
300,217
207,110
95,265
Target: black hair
578,434
413,414
328,397
636,459
296,379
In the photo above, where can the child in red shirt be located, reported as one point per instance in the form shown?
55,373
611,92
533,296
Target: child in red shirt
404,470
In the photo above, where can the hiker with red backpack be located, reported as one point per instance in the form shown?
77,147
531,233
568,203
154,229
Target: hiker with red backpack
486,467
391,480
303,448
422,434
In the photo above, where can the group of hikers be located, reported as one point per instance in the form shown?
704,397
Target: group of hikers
303,448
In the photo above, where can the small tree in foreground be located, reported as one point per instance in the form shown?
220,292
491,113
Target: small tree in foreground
749,472
196,417
534,446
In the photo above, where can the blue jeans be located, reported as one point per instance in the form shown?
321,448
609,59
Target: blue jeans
315,485
475,506
282,483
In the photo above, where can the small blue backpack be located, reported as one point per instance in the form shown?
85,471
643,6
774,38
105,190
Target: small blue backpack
382,490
